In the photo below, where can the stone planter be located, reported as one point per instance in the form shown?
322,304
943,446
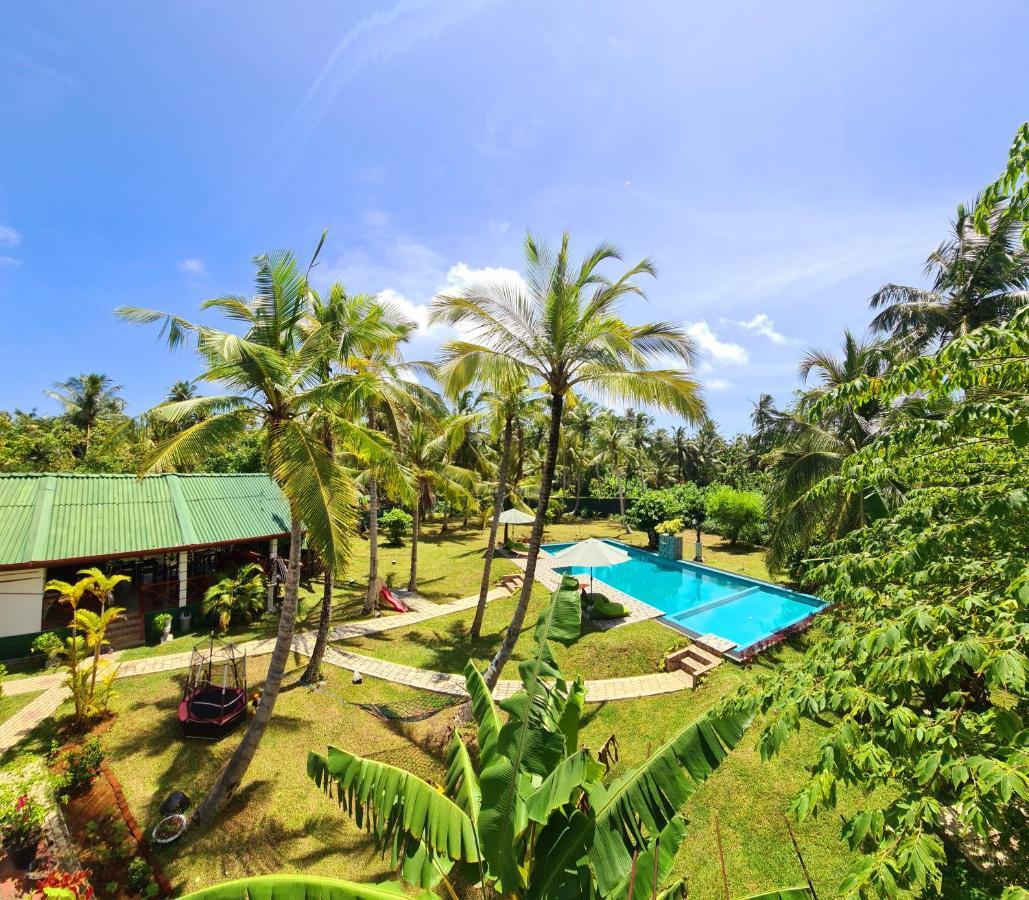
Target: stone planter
669,546
185,621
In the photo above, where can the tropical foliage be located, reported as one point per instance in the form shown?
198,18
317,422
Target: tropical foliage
735,514
531,814
241,595
921,674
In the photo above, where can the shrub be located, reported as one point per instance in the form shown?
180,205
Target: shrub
160,622
84,763
684,501
47,643
669,526
735,513
241,595
140,875
396,523
3,675
21,814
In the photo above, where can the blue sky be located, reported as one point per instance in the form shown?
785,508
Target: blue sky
778,161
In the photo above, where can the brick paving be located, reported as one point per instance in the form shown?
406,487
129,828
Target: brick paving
600,691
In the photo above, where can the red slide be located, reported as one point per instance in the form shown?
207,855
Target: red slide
390,599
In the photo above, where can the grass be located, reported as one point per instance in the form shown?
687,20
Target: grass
12,703
279,821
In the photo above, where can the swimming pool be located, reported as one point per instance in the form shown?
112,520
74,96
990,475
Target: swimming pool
701,600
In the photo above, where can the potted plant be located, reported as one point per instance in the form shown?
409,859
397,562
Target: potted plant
163,624
21,824
669,539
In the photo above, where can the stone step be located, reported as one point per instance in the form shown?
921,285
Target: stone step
126,631
702,655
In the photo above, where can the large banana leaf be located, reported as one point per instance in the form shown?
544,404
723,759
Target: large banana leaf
643,802
559,870
660,853
462,780
561,621
560,785
484,711
399,806
296,887
571,715
531,743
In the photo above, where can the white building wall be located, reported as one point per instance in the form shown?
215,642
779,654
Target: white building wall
21,601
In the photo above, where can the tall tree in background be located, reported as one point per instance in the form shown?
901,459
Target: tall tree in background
817,439
273,388
561,328
613,449
353,337
88,400
976,279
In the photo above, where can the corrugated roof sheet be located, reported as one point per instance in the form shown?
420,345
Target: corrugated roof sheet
47,518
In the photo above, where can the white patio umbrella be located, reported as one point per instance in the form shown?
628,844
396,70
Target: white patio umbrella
590,553
514,517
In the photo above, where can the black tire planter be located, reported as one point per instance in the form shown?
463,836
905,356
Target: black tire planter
23,857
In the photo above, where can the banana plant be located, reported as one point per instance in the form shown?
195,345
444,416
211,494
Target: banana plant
532,814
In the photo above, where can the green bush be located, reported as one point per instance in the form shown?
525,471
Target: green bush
684,501
396,523
735,514
84,763
140,875
47,643
159,622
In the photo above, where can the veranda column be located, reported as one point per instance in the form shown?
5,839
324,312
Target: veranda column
183,587
273,554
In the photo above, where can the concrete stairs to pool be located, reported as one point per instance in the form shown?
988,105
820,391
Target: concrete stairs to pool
694,661
512,582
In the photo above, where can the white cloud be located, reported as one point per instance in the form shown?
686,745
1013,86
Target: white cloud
9,262
416,312
375,218
718,384
192,266
499,227
719,350
764,325
9,237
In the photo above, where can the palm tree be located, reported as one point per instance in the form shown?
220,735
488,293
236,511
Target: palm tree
273,388
704,454
241,593
763,418
561,329
613,449
88,400
977,278
354,337
680,449
815,444
428,451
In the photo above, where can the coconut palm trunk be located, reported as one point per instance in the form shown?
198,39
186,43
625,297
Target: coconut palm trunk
416,522
498,505
313,672
232,774
498,662
371,595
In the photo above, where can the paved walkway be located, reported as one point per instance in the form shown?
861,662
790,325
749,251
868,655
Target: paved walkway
600,691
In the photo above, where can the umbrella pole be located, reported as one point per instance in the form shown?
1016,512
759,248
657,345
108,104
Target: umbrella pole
505,533
591,583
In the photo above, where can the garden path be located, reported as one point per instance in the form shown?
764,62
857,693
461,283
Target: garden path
598,691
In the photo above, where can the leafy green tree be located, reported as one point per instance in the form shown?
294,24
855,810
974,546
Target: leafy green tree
705,453
32,443
531,814
88,400
685,502
734,513
920,677
560,329
271,376
396,522
241,594
1010,192
613,448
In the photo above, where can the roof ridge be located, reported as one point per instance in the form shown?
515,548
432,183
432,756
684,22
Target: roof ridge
134,477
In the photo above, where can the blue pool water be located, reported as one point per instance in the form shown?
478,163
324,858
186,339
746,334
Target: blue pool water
702,600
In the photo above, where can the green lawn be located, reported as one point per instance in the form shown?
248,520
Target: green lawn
279,821
11,703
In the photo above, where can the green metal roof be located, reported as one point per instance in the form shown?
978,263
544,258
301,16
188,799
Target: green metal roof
48,518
